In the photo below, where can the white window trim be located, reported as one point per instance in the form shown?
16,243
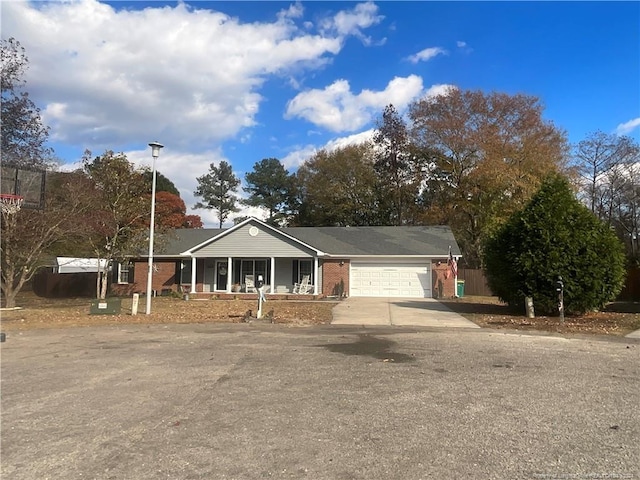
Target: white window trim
122,269
312,269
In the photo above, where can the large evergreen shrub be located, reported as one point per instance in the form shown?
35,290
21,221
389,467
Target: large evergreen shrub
555,235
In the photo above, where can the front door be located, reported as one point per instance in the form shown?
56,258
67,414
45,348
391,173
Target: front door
209,275
221,275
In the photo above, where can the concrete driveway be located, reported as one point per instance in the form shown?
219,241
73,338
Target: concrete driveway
424,312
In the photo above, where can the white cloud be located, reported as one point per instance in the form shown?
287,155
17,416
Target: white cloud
628,127
427,54
354,139
298,156
106,77
337,109
461,44
109,77
439,89
295,10
179,167
352,22
301,154
183,169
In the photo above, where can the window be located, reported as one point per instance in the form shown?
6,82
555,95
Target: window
302,268
185,272
125,271
244,267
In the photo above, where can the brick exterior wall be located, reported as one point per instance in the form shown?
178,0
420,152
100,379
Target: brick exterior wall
164,278
443,283
335,277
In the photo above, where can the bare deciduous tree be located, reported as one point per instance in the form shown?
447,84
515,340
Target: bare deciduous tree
28,235
594,157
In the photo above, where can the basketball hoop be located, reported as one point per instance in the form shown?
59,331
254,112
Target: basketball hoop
10,204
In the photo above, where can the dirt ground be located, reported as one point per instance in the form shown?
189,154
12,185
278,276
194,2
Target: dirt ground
618,318
37,312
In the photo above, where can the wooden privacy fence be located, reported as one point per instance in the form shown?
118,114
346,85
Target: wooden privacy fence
475,283
631,290
64,285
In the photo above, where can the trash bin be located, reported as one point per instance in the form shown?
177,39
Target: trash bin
460,288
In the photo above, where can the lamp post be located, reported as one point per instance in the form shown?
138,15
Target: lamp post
155,153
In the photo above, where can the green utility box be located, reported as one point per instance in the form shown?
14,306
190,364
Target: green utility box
109,306
460,288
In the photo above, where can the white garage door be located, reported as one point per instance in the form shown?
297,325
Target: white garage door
390,280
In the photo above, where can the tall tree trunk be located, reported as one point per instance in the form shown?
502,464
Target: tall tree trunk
8,294
11,288
103,286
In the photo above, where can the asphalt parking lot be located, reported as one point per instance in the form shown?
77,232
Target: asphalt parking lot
333,402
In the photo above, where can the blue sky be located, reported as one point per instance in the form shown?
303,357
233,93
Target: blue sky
242,81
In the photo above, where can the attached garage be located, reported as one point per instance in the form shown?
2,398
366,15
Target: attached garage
409,280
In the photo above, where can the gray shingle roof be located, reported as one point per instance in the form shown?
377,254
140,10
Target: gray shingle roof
182,239
431,241
378,240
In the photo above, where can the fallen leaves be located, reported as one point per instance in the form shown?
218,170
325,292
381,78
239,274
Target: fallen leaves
38,313
619,319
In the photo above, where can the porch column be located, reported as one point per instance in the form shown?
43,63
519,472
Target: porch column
316,276
229,274
272,277
193,274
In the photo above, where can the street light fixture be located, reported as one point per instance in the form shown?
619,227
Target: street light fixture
155,153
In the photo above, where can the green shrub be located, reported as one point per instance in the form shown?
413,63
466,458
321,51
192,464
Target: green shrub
555,235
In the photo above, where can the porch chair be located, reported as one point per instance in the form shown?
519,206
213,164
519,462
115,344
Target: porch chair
249,286
304,286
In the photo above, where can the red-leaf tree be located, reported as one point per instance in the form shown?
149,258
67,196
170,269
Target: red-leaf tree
170,210
192,221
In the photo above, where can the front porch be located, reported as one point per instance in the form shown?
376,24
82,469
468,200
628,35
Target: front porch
254,296
232,276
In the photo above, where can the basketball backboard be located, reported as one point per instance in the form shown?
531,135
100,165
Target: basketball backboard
29,183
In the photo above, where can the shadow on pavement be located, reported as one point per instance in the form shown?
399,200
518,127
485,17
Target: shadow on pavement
366,345
421,305
481,308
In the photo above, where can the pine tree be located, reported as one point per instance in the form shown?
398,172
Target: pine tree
270,186
217,189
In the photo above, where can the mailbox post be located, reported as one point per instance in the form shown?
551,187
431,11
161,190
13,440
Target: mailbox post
261,297
560,290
